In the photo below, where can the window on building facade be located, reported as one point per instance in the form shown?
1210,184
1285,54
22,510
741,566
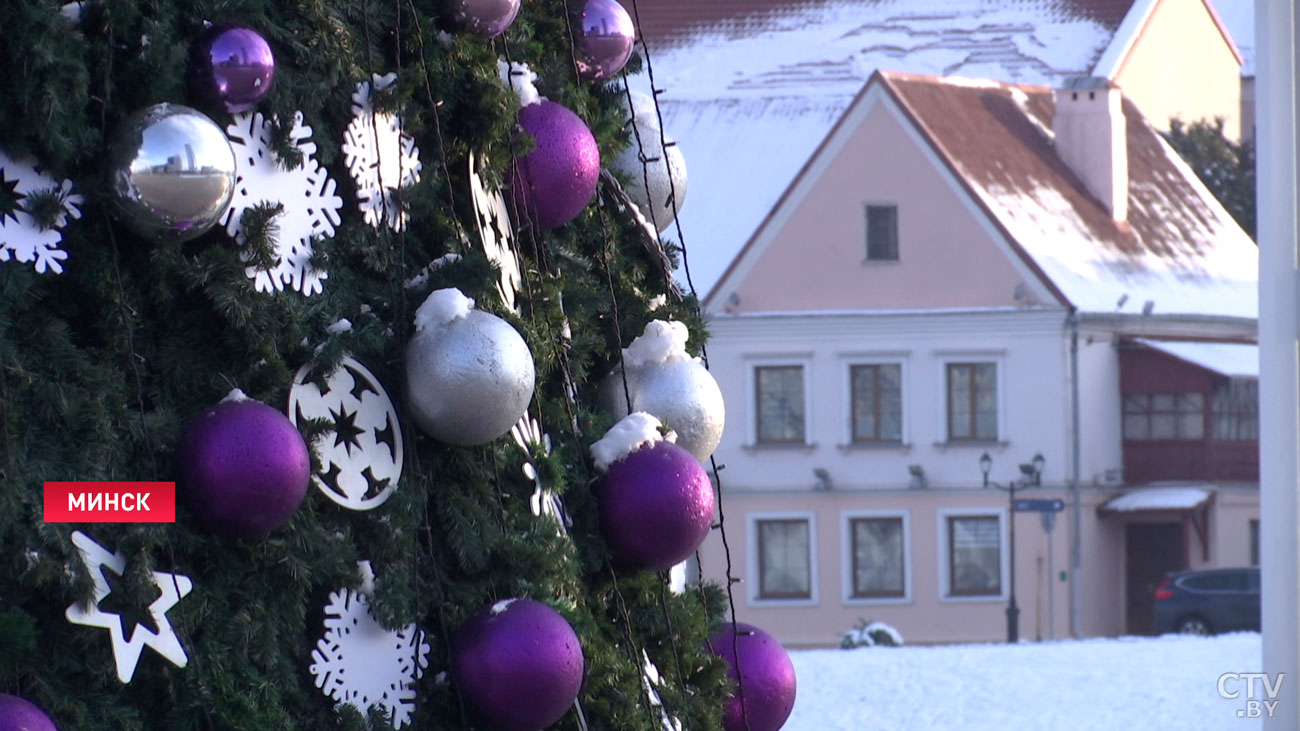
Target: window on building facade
877,546
1152,416
882,233
784,563
974,556
779,401
877,398
1236,410
972,401
1254,543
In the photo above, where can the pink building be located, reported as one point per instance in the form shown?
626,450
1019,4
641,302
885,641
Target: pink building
965,268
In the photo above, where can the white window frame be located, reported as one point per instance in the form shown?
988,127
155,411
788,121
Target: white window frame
846,556
846,403
1004,560
754,579
752,364
898,232
998,358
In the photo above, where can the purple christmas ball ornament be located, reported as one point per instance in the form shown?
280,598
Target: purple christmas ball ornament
232,66
243,468
656,507
764,672
17,714
518,665
555,181
605,38
483,18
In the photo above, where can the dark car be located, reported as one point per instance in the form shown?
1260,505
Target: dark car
1206,602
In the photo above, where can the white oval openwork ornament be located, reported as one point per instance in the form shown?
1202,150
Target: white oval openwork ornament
361,457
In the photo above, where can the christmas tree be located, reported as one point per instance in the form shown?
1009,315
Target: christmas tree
345,218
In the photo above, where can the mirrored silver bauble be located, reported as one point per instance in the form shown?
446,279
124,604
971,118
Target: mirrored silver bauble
679,392
664,171
171,172
469,380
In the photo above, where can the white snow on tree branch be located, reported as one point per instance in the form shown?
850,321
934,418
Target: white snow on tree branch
632,432
360,663
519,78
311,208
380,156
441,307
21,237
660,341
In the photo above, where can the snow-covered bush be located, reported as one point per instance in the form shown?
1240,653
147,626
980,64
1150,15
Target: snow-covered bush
871,634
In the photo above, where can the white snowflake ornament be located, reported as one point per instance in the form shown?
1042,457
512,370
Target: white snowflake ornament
311,208
127,649
528,435
360,663
21,236
650,680
492,218
362,457
381,157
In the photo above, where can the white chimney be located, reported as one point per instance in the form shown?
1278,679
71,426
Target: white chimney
1090,138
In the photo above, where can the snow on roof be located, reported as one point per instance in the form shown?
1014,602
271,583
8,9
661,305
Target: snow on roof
1156,498
1179,249
753,86
1228,359
1238,17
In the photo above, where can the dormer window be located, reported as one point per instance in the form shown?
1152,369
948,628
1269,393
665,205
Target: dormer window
882,233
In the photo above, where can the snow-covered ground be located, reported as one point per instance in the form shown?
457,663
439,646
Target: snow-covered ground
1169,682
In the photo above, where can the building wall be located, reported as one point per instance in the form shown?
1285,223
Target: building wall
776,481
1233,510
1101,458
813,249
926,616
1034,402
1031,347
1181,66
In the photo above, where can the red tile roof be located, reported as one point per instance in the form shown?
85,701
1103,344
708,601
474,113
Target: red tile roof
997,138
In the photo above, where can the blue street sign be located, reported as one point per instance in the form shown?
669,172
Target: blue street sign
1038,506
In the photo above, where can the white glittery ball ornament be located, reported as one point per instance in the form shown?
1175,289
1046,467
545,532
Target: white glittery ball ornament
662,380
654,186
469,374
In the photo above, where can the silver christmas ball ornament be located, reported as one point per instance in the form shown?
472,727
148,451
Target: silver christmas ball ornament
680,392
171,173
654,185
469,380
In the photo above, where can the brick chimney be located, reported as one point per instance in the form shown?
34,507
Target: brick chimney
1090,138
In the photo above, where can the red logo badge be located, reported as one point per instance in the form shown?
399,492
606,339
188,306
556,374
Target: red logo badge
110,502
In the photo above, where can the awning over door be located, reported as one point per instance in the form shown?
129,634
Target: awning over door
1156,498
1177,500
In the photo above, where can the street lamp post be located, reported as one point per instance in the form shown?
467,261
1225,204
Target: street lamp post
1030,476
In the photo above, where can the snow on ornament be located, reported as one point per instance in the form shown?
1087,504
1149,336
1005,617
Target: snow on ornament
469,374
655,501
362,456
22,238
381,157
360,663
492,217
663,380
311,207
128,644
